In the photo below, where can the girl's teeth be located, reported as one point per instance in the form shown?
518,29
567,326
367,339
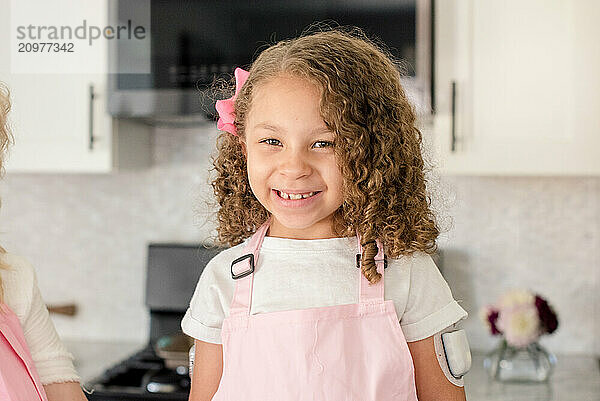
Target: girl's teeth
296,196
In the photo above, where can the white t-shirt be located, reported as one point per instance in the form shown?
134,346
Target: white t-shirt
22,295
299,274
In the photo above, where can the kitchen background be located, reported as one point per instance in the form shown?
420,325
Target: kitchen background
87,235
101,168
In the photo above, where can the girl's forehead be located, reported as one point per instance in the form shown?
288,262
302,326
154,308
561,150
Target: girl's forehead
285,94
287,105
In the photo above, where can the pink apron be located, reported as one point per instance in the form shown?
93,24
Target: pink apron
351,352
19,381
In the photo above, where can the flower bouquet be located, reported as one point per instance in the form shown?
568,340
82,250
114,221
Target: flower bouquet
520,317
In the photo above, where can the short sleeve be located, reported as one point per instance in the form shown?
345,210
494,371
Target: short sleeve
430,306
204,317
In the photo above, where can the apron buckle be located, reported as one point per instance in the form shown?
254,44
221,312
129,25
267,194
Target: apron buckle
244,273
358,256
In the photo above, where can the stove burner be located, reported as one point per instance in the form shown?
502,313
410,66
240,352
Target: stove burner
166,381
143,376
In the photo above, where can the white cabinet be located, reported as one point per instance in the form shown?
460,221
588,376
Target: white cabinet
527,87
59,120
57,126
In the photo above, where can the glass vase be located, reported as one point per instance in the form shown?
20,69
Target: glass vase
531,364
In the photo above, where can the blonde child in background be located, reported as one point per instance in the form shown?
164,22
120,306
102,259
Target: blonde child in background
328,290
34,364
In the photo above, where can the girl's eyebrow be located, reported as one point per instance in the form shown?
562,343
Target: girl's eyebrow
277,128
268,126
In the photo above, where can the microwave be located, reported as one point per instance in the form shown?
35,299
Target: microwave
194,42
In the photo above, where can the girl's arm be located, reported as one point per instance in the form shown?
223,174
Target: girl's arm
432,384
70,391
208,368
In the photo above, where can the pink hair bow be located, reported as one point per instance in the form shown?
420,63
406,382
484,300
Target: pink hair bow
225,107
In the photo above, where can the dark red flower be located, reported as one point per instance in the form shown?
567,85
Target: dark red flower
547,316
492,318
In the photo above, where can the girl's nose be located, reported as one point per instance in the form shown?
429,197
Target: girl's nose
294,164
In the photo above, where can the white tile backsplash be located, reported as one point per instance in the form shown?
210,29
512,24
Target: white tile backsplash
538,233
87,234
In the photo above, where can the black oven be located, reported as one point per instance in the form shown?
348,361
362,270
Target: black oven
172,273
192,42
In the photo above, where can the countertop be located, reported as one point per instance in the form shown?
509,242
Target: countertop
575,377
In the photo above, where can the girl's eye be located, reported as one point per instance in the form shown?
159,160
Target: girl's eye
327,143
270,139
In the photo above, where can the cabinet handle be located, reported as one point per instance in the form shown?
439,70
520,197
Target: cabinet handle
91,121
453,142
69,309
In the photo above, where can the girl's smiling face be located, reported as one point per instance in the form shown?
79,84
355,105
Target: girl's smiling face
289,148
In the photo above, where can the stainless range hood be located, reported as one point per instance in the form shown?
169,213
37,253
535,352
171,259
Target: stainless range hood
167,79
163,107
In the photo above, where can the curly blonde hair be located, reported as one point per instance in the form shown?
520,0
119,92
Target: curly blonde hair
5,140
6,137
377,145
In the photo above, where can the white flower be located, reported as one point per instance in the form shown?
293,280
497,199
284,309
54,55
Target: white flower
520,324
516,297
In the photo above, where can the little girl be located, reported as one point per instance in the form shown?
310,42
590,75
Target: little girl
34,364
328,291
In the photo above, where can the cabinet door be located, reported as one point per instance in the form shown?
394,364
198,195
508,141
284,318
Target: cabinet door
526,85
52,125
53,115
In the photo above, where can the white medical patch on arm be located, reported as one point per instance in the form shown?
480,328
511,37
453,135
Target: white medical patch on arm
453,354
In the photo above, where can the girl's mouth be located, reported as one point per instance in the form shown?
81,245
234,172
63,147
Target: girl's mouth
296,196
295,200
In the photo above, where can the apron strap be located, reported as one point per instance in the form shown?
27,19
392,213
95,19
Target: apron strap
242,270
371,293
